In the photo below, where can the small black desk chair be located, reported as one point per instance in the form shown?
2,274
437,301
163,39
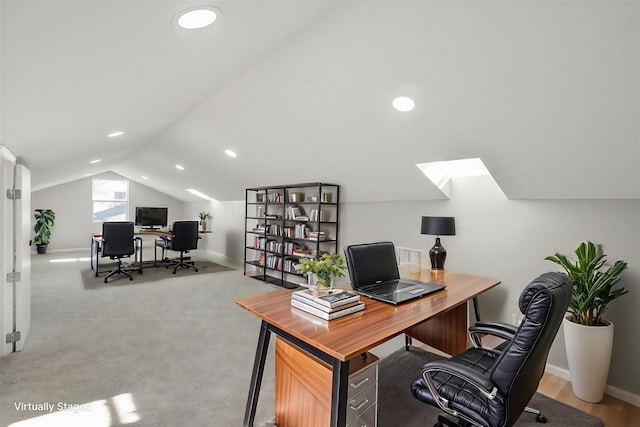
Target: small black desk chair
118,243
184,237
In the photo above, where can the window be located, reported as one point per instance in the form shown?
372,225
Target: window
110,200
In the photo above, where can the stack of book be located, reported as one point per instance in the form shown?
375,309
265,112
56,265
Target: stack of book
316,235
336,303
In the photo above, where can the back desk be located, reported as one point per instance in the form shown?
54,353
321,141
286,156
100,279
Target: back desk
96,244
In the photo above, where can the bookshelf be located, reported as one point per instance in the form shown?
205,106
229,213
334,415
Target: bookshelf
285,223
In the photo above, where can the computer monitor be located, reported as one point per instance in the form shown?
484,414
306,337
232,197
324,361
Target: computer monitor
151,217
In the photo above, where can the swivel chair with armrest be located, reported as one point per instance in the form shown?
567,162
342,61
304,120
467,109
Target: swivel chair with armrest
118,243
184,237
492,387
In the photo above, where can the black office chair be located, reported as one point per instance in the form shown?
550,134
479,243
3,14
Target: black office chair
118,243
491,387
184,237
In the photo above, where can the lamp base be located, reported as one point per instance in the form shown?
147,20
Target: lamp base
438,255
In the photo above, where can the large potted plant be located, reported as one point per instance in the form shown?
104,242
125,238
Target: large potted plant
45,219
321,271
588,335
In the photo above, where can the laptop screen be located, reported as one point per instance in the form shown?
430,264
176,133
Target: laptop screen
371,263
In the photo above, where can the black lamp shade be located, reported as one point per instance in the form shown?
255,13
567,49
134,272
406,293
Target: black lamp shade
438,225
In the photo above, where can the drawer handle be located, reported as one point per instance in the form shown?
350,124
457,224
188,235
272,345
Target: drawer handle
358,406
359,383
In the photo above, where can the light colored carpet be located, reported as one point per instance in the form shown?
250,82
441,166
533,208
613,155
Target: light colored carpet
176,351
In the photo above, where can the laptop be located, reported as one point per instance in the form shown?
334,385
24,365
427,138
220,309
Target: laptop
373,271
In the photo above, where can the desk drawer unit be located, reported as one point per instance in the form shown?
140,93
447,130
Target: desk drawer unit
361,402
368,419
303,389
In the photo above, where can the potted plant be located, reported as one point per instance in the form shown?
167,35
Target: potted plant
45,219
321,271
588,336
204,216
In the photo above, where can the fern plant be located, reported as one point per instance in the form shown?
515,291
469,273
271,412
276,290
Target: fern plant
592,283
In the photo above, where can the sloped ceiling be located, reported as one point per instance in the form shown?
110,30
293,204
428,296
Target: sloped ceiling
547,94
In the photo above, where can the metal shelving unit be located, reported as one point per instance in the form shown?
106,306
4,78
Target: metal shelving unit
285,223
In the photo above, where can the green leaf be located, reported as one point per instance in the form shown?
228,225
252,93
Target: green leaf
592,282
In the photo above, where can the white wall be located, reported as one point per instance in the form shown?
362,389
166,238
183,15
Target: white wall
508,240
72,205
227,226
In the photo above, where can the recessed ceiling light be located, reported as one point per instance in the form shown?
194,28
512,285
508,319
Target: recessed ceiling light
114,134
95,161
197,17
403,103
231,153
201,195
180,167
145,177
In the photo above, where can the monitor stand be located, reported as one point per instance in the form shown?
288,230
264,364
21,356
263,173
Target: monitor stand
151,228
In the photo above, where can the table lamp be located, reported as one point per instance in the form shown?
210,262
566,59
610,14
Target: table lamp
438,226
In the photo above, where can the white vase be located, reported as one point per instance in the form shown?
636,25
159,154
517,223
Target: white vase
589,356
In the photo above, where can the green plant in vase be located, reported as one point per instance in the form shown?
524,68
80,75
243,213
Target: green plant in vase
204,216
325,269
593,283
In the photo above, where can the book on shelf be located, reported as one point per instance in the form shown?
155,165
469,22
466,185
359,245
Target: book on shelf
316,235
332,299
334,314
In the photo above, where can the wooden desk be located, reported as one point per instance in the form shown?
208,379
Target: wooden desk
439,320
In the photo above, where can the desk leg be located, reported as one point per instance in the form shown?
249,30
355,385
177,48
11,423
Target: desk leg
139,253
94,254
93,242
256,376
339,393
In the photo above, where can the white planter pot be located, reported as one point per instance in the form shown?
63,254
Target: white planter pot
589,356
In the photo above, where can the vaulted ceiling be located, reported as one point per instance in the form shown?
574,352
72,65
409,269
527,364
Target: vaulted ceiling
547,94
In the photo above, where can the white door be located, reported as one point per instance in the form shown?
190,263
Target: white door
22,230
15,254
7,162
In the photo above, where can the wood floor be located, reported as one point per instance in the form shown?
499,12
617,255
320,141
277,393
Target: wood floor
614,412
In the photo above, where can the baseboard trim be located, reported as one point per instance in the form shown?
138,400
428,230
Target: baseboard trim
616,392
222,259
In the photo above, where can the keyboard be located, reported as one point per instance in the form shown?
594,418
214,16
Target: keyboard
382,289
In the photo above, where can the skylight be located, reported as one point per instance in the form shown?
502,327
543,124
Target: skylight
440,173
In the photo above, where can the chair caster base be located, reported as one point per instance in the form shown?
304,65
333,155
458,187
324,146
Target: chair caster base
541,419
444,421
